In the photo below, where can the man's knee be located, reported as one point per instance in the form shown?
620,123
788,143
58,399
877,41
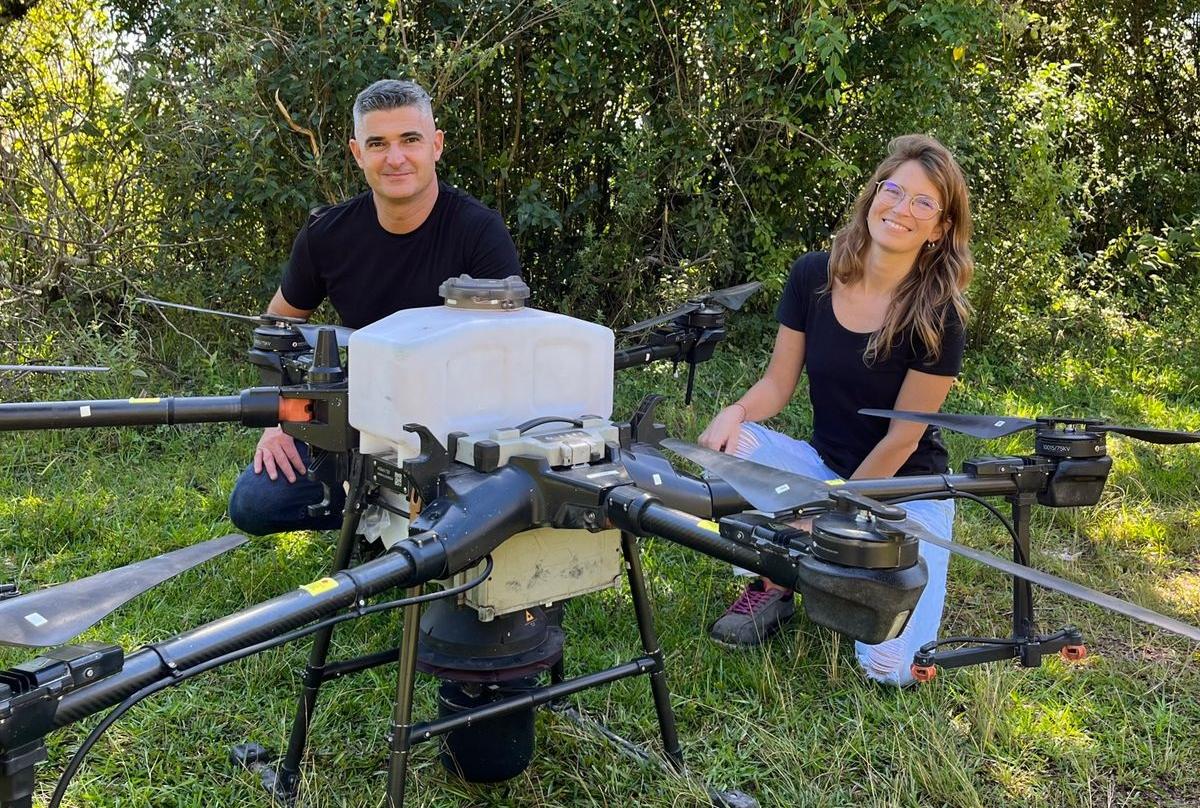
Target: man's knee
246,505
260,505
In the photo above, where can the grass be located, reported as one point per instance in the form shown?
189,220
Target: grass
792,724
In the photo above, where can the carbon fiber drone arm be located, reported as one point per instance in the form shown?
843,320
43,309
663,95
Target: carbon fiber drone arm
257,406
449,542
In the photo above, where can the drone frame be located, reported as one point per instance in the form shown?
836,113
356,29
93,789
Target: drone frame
682,511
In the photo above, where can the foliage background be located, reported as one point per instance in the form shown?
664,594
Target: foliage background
636,149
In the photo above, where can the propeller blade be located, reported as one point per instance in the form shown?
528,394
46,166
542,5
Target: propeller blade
1066,587
768,489
686,308
52,616
979,426
734,297
996,426
309,332
1165,436
246,318
53,369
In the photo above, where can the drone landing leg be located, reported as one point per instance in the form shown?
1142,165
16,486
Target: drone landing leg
658,678
691,381
1023,622
658,688
16,774
401,738
1025,644
283,780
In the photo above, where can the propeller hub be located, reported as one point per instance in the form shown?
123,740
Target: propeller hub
860,539
707,317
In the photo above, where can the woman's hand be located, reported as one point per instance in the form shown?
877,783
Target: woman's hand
723,432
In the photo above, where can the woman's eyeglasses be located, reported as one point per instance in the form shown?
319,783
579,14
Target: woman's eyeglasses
919,205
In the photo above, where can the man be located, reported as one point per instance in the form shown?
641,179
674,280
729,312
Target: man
386,249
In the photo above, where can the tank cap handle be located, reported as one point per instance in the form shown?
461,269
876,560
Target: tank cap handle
494,294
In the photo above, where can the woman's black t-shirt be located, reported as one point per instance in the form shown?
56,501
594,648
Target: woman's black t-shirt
840,382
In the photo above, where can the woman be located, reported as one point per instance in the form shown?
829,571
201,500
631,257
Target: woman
877,322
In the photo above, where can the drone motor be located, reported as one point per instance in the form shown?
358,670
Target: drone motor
1080,461
1071,440
855,536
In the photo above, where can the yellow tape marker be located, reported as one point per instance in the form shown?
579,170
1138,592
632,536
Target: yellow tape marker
835,482
708,524
319,586
144,400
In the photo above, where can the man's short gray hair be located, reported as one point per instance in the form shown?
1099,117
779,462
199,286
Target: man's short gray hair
391,94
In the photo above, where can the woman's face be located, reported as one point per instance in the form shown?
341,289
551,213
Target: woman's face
891,222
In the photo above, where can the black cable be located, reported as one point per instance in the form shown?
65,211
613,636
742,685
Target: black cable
956,494
77,759
931,646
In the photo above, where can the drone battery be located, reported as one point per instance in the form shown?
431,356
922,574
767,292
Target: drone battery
544,566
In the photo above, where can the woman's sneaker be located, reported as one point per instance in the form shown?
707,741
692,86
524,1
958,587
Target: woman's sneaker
753,617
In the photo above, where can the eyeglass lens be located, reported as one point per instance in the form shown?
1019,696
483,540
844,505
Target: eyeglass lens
922,206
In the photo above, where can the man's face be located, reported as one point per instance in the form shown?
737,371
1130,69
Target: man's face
398,150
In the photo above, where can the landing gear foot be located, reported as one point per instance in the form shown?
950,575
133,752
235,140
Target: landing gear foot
732,799
253,757
924,673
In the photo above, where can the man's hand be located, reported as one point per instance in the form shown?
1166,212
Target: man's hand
723,433
276,452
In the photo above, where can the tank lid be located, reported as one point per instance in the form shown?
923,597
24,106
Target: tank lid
502,294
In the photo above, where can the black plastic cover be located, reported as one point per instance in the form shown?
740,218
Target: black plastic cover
1076,482
866,605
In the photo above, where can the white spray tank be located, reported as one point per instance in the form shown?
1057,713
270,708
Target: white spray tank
481,361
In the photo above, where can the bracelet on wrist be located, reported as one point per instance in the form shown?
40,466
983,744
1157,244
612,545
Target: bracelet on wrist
742,407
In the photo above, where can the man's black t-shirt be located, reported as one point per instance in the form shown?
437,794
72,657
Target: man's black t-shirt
367,273
840,382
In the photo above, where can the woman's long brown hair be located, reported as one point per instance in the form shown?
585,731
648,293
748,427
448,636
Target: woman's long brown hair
941,272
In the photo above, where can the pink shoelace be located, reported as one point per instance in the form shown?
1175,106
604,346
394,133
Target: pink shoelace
750,601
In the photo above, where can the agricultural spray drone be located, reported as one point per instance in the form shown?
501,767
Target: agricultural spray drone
532,505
